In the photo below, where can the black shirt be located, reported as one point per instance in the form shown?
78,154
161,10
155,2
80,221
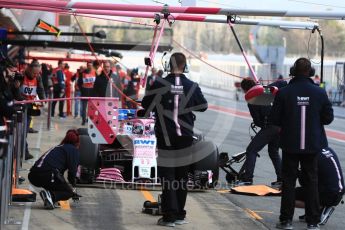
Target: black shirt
302,109
173,99
102,87
331,179
62,157
260,113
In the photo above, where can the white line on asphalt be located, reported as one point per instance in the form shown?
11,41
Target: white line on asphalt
27,212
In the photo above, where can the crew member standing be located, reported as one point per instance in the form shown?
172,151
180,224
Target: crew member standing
8,84
68,90
77,93
31,87
301,109
268,135
85,84
173,99
58,79
103,87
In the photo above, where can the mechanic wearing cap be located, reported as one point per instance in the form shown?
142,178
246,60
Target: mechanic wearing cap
331,184
173,99
268,135
301,109
48,170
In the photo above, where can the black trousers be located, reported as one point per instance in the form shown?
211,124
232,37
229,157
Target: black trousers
57,94
270,136
60,190
28,121
174,181
290,165
327,199
83,110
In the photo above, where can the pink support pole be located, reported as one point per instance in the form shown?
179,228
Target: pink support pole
154,47
158,40
111,6
68,5
243,52
27,7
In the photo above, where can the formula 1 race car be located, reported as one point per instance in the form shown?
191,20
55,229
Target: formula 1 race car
119,146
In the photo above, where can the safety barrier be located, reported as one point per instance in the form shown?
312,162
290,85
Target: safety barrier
12,154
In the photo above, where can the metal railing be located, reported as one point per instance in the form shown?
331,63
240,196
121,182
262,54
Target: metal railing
12,155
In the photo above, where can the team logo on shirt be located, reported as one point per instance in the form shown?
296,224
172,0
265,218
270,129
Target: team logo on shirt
302,100
176,89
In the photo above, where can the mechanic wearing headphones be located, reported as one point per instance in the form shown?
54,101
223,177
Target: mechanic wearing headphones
173,99
48,170
301,109
268,135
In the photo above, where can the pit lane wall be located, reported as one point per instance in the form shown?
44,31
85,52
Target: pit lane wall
207,76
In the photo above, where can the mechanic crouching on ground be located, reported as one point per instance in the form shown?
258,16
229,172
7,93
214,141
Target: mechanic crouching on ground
301,109
48,171
331,185
173,99
268,134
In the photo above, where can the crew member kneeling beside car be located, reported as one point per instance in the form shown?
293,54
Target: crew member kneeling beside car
48,171
331,185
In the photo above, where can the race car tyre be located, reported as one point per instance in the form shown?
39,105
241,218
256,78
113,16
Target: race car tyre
83,131
209,162
87,176
88,153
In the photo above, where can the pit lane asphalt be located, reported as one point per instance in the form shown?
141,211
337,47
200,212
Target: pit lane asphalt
237,138
121,209
103,207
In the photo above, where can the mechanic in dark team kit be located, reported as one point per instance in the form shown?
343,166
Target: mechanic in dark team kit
301,109
173,99
331,184
48,170
268,135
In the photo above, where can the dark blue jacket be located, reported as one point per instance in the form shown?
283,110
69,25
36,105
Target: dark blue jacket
161,100
302,109
331,179
279,83
60,76
62,157
261,113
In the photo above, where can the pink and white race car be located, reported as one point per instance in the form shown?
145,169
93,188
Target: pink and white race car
120,147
